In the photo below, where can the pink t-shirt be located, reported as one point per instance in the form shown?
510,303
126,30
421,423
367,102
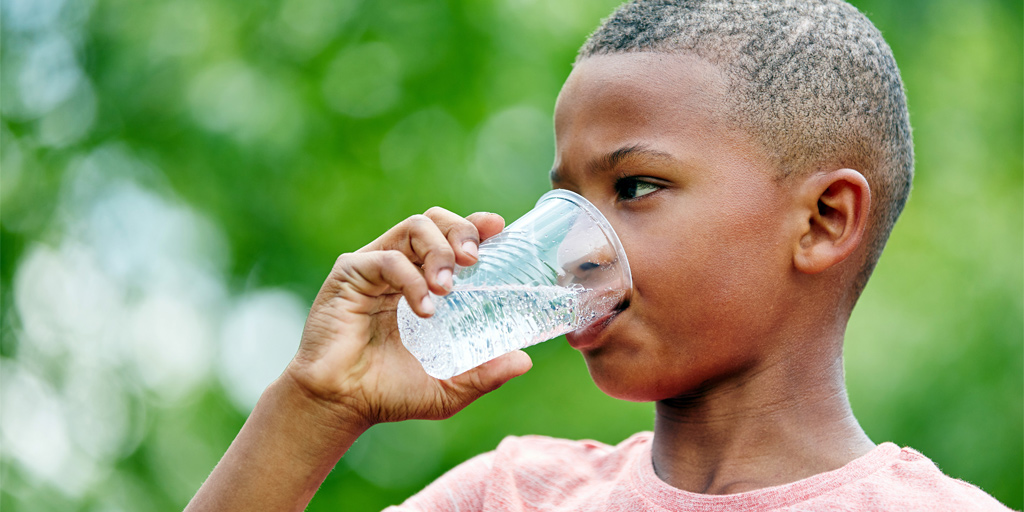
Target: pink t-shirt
542,473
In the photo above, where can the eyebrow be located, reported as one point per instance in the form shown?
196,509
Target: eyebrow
610,160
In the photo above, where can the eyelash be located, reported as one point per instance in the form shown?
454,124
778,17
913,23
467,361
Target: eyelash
627,186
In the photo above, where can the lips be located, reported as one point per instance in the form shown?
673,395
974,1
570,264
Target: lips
588,336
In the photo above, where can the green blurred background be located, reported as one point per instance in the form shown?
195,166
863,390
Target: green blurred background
178,177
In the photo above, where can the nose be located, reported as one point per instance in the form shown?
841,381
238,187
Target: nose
581,272
584,257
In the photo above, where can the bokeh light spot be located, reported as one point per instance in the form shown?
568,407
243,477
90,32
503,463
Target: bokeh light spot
26,15
307,25
260,335
427,141
223,97
71,121
514,151
363,80
48,75
183,29
171,345
393,455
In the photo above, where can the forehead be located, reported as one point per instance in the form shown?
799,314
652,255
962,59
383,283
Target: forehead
675,105
642,93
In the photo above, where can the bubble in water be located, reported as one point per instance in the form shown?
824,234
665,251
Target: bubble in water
474,325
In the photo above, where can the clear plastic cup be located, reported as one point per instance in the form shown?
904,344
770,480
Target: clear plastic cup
556,269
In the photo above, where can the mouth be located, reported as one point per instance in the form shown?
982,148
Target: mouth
588,336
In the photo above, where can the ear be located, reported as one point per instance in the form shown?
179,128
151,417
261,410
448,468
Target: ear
836,206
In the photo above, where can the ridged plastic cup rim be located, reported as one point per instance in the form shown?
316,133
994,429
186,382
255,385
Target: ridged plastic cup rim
601,221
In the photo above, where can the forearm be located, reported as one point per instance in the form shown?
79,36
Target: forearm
280,457
351,369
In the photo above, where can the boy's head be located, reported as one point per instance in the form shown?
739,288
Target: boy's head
813,81
738,148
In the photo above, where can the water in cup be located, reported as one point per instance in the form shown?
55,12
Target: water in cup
475,324
555,270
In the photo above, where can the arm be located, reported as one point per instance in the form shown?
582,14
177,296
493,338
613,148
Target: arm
284,451
351,370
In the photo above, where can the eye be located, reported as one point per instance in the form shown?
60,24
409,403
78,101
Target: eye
632,187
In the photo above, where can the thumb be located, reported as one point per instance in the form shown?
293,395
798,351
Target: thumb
491,375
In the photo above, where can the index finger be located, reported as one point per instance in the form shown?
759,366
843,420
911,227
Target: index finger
463,235
487,224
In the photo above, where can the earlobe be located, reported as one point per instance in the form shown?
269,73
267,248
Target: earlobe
835,206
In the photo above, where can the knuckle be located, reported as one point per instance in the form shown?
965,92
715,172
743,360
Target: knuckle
436,211
419,220
392,257
342,261
345,270
441,251
468,232
463,228
419,227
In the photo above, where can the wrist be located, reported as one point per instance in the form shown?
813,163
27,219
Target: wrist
288,445
323,418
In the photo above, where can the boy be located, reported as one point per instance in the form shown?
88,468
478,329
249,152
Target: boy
752,157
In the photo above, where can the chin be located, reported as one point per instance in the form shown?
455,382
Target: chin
630,384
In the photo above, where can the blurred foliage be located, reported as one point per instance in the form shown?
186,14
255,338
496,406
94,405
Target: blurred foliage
178,177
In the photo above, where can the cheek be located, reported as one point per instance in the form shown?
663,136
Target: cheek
694,274
742,242
668,276
678,290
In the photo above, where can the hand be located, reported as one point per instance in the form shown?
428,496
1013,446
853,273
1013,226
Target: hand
351,358
352,371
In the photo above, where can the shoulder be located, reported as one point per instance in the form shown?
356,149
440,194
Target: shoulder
912,481
569,447
532,469
542,451
545,469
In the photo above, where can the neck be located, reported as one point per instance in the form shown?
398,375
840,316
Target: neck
771,425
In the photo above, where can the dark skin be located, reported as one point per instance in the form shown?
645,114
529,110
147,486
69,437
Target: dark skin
715,236
742,290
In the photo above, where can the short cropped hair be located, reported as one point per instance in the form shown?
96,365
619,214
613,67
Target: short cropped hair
813,81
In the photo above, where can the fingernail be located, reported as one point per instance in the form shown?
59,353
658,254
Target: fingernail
444,278
427,305
469,247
